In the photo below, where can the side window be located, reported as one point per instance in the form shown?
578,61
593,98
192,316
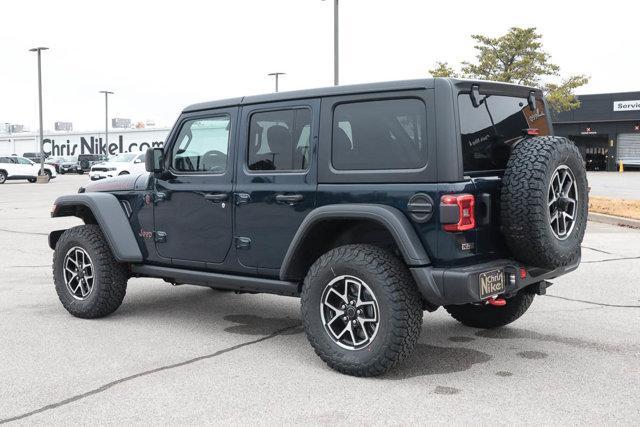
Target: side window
389,134
23,161
279,140
202,145
140,158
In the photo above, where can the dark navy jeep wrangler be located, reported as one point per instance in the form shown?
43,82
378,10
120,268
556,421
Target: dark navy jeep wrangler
373,203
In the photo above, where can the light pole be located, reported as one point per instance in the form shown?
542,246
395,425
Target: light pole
106,117
336,44
39,51
276,75
8,126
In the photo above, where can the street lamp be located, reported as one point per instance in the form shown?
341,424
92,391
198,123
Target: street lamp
8,127
39,50
106,116
276,75
336,47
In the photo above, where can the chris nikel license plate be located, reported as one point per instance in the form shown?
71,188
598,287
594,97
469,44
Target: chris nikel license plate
491,283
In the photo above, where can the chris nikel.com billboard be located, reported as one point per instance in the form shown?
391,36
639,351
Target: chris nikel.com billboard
119,142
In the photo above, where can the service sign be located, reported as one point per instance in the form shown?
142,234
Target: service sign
626,105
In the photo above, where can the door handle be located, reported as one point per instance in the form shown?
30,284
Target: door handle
242,198
289,199
216,197
159,197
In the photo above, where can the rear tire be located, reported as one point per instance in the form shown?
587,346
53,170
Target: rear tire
375,292
544,202
32,180
489,316
3,177
100,281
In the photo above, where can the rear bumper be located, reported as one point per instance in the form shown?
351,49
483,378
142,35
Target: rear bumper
460,285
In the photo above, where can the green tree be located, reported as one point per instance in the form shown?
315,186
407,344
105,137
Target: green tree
518,57
443,69
561,96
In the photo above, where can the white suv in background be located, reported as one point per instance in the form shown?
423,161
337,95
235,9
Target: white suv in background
14,167
122,164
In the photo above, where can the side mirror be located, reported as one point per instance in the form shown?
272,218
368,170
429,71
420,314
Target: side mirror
153,160
137,161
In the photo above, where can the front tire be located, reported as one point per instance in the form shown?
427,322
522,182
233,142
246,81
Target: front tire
374,291
489,316
3,177
89,282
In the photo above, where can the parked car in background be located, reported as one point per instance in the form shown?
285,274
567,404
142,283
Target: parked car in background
34,157
53,161
88,160
14,168
70,165
123,164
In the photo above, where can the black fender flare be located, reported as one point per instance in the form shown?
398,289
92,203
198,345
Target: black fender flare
109,215
392,219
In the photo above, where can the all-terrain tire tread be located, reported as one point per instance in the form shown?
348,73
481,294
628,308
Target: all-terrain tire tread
524,199
401,293
112,276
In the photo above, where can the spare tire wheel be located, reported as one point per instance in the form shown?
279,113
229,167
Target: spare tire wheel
544,202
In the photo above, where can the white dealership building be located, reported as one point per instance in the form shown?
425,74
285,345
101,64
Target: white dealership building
74,143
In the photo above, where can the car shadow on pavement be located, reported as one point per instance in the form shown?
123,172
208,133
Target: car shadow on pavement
509,333
207,308
249,324
433,360
211,310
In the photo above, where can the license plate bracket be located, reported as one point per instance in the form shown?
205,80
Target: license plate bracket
491,283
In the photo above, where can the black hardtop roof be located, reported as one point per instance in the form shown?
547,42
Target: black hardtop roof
342,90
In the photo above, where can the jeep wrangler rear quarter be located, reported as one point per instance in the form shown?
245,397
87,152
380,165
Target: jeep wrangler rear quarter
373,203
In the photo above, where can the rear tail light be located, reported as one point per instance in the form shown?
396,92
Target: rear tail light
533,131
458,212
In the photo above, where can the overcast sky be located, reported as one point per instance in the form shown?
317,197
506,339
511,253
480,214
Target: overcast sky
160,56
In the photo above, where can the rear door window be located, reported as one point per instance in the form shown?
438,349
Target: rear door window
489,131
378,135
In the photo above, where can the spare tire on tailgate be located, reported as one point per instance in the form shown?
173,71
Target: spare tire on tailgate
544,202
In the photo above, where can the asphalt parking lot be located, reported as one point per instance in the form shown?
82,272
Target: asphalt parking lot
190,355
615,185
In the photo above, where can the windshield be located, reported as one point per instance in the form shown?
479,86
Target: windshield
489,130
122,158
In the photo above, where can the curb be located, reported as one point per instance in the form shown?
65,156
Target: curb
614,220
